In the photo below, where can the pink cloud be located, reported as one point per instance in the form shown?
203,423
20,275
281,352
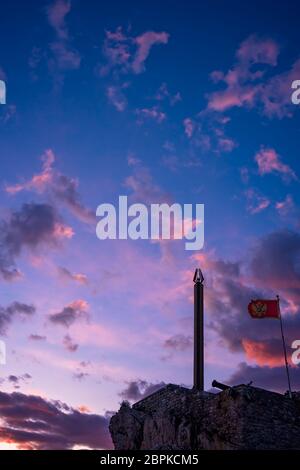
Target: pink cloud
67,275
145,42
207,132
286,206
226,144
263,353
189,127
248,88
61,55
37,182
63,188
276,93
258,51
142,185
232,97
268,161
128,54
56,16
153,113
256,202
62,231
240,91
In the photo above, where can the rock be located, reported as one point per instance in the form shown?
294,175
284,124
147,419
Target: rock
177,418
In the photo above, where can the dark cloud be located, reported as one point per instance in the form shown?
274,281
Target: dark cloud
65,190
30,227
136,390
34,337
17,380
69,344
80,375
85,363
228,299
273,266
178,343
36,423
64,273
69,314
270,378
276,263
15,309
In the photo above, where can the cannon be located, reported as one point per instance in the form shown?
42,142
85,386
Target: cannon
219,385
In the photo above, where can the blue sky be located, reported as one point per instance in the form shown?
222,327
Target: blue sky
188,102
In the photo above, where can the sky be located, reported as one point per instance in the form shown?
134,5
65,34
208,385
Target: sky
164,102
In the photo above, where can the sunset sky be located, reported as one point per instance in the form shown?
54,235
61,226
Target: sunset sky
186,102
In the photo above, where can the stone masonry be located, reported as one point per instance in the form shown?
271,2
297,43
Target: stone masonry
177,418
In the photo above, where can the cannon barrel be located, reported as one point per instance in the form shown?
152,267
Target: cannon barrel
219,385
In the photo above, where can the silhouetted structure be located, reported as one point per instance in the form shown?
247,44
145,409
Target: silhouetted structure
240,417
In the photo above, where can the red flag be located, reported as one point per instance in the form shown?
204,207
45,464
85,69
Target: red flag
264,309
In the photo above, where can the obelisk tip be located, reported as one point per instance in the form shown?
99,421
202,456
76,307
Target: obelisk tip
198,276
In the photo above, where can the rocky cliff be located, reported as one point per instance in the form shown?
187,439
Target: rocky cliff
176,418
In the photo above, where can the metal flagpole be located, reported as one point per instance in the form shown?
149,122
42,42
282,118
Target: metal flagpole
284,350
198,331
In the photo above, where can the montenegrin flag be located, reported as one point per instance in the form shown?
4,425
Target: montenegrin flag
264,308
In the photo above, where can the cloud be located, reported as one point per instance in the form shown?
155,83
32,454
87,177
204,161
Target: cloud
286,206
35,337
274,263
153,113
248,86
32,422
57,185
127,54
256,202
276,93
255,50
32,226
268,161
60,56
117,97
56,13
273,378
189,127
142,186
242,88
139,389
271,267
144,44
163,94
70,314
264,354
207,132
80,375
69,344
64,57
15,309
64,273
178,343
16,381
